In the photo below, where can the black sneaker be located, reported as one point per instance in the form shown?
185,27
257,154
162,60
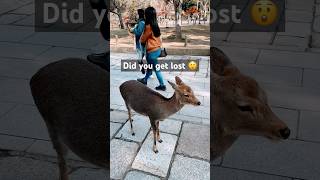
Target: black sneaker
142,80
100,60
161,88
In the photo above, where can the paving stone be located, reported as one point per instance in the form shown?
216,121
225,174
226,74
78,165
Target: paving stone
66,39
141,127
267,74
316,24
24,121
14,143
309,123
293,97
114,127
28,9
10,18
250,37
315,40
15,90
58,53
243,55
89,174
190,119
119,117
135,175
195,141
16,168
306,5
290,117
24,51
289,59
189,169
7,6
27,21
291,41
298,16
11,33
46,148
317,13
170,126
297,29
195,111
219,35
121,156
18,68
287,158
5,108
220,173
156,163
310,78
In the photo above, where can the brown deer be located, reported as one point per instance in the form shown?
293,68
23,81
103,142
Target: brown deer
150,103
239,107
72,95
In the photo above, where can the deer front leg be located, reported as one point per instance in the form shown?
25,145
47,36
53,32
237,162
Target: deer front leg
154,130
158,133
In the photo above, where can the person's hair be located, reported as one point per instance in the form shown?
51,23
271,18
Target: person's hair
141,13
151,19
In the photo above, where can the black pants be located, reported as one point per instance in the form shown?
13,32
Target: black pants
105,24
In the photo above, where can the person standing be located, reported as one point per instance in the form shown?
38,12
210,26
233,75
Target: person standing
151,39
137,31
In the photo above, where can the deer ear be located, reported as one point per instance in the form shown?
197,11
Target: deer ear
178,81
174,86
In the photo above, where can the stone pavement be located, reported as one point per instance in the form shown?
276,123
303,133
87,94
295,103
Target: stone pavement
25,149
287,65
184,152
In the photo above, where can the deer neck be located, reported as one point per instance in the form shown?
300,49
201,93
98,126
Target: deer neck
173,105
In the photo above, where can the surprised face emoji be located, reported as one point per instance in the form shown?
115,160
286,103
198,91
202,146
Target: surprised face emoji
192,65
264,12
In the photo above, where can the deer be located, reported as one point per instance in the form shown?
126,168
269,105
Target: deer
157,107
71,96
239,107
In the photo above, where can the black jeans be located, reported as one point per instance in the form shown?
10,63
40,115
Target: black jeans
105,24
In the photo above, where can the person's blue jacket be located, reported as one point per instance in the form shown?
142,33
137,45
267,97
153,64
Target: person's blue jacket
138,30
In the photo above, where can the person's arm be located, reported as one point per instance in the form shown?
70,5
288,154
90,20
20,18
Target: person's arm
146,34
138,30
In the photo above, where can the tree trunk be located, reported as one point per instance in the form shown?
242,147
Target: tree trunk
178,23
120,20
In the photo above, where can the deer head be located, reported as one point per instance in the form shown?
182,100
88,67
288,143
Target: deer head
184,93
240,106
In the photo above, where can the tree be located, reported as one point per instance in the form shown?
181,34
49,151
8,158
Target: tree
177,16
118,7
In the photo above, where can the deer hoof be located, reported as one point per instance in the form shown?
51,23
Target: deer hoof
156,151
133,134
160,141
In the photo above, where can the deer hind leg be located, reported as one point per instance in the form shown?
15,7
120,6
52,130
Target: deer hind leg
130,119
158,133
61,150
154,130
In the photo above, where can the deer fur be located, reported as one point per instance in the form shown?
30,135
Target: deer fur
239,107
72,96
150,103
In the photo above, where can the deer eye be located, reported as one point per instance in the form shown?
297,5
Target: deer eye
245,108
186,95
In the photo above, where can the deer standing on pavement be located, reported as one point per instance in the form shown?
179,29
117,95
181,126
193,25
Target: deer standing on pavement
72,95
150,103
239,107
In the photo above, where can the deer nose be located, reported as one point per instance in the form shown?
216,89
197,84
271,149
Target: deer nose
285,133
199,103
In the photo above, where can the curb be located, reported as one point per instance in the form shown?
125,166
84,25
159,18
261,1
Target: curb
170,51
